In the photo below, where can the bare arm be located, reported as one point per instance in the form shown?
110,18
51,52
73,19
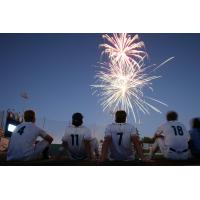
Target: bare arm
158,134
105,147
88,149
45,136
137,146
48,138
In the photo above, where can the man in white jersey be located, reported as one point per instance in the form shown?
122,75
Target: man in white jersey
77,138
23,146
120,138
172,139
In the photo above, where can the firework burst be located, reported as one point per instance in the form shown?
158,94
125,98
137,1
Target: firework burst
124,49
120,82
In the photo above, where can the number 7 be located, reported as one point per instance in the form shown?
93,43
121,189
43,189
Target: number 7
120,138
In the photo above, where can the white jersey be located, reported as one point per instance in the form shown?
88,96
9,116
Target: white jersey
74,137
176,136
121,147
22,141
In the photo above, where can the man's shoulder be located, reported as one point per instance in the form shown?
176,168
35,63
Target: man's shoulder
72,128
161,130
163,125
113,125
36,130
130,125
69,129
181,124
84,129
30,124
35,127
175,123
26,124
116,125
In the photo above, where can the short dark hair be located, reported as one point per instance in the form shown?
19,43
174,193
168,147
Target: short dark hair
77,119
29,116
172,116
120,116
196,123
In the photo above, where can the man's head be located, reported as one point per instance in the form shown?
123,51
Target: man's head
77,119
196,123
172,116
120,116
29,116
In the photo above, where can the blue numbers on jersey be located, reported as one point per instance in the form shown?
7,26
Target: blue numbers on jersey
21,130
120,138
178,130
74,139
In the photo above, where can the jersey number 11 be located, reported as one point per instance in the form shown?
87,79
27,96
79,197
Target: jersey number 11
74,139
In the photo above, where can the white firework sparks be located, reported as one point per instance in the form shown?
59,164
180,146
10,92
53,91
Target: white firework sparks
124,49
120,82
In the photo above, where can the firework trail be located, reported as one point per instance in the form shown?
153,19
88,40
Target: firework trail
120,82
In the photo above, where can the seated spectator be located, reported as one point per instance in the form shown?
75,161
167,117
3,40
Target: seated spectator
77,139
23,142
120,138
195,137
171,139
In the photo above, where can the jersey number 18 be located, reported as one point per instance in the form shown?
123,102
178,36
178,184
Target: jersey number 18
178,130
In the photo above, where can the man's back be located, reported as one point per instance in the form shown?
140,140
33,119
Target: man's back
195,138
121,147
175,135
75,136
23,139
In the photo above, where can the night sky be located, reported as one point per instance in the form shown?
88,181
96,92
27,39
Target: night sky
56,70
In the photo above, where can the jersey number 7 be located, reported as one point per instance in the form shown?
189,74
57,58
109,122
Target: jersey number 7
120,138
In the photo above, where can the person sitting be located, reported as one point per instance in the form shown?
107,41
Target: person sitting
195,137
23,143
120,138
77,139
172,139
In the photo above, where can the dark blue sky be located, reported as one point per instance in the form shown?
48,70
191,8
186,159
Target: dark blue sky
57,70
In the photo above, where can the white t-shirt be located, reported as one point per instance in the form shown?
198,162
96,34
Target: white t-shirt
121,146
175,135
74,137
22,141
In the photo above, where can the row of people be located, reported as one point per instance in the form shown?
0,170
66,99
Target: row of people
121,140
